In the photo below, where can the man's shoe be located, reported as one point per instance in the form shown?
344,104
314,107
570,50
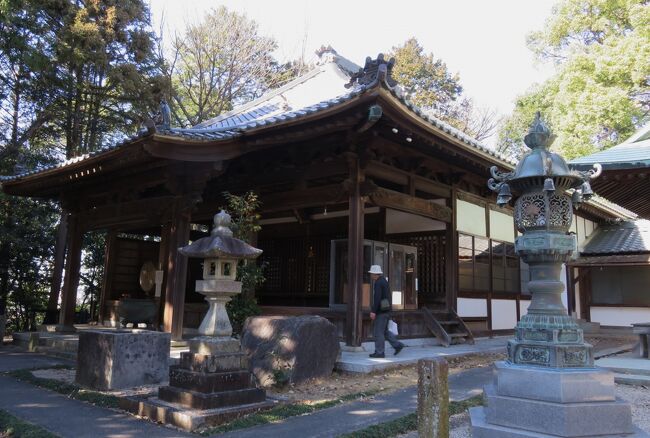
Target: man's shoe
379,355
398,349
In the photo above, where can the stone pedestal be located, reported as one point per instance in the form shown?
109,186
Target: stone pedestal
212,375
210,385
117,359
529,401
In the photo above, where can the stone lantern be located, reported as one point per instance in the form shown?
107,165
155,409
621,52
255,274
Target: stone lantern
221,253
549,385
211,383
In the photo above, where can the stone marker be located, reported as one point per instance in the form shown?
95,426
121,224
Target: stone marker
301,348
433,398
117,359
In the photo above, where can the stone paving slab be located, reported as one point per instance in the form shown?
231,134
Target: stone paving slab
358,415
13,358
71,418
359,362
625,365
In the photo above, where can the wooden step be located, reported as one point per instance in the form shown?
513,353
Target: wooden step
449,322
458,335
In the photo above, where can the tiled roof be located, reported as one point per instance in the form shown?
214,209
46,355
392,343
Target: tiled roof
318,90
632,153
77,159
625,237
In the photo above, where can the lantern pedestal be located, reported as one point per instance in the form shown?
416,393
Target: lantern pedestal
549,386
211,384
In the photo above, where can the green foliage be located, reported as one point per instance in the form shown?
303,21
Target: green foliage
239,308
426,78
13,427
245,224
432,87
601,91
218,62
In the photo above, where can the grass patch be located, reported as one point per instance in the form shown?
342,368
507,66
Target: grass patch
71,390
281,412
409,422
14,427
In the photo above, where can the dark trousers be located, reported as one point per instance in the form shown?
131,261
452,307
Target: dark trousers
381,333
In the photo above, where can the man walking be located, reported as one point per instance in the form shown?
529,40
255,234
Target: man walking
381,306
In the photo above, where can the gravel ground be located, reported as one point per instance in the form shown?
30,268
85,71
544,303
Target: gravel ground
638,396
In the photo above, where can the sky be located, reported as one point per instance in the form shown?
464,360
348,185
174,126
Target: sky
483,41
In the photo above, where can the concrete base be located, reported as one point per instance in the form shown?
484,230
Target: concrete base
188,419
482,429
554,385
561,419
117,359
528,401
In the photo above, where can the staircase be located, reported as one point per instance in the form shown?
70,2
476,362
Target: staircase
447,327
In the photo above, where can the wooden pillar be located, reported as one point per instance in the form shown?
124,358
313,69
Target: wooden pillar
72,266
451,258
109,261
162,265
355,257
51,315
179,234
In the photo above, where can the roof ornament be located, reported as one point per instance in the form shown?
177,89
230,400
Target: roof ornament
166,114
375,71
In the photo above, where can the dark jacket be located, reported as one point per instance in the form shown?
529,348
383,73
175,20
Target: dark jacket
381,291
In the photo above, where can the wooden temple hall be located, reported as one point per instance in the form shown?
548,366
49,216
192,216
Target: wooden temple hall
349,174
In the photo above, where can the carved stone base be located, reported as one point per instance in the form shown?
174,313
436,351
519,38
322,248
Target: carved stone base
549,354
550,341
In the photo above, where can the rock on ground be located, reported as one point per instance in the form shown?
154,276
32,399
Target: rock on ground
285,349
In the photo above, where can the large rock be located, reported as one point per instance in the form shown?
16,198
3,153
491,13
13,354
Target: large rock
117,359
291,349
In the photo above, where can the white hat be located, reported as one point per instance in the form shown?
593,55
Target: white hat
375,269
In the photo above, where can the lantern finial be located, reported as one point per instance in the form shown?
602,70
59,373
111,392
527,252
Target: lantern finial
539,136
222,222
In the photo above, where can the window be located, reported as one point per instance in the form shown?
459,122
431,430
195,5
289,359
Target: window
476,255
473,263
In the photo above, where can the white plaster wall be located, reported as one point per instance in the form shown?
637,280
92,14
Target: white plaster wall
502,226
472,307
504,314
523,307
470,218
619,316
401,222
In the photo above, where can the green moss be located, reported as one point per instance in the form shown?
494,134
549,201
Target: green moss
13,427
68,389
282,412
409,422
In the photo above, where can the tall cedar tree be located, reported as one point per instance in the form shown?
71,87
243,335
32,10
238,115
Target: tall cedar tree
601,91
432,87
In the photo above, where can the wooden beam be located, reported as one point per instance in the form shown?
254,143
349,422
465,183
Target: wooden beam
72,268
400,201
397,176
179,235
297,199
353,321
146,211
109,262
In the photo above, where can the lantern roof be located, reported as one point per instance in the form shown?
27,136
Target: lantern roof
540,167
220,243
